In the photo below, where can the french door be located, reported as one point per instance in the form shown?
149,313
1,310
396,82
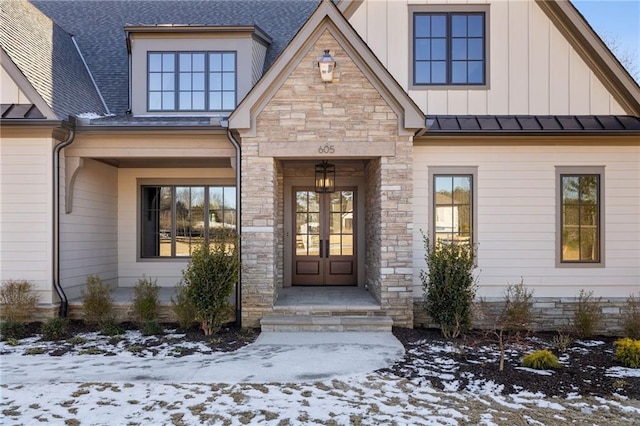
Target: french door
324,237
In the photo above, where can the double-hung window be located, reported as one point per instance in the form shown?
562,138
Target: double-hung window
191,81
176,219
453,212
580,215
449,48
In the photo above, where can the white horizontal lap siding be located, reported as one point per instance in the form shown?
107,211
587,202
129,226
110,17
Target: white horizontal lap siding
516,193
88,235
168,272
532,68
25,212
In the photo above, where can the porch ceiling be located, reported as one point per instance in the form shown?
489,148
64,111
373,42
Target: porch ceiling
159,162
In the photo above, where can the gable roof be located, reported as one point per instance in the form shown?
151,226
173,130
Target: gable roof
327,17
594,52
99,26
47,57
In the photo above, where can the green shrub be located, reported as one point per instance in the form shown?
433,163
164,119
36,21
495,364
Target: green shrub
628,352
183,308
12,330
152,328
55,329
97,302
588,315
145,301
109,327
632,318
18,302
210,278
449,286
541,359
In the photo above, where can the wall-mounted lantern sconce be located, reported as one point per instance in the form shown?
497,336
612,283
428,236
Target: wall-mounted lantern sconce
325,177
326,64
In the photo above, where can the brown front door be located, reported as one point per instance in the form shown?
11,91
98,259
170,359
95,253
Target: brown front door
324,238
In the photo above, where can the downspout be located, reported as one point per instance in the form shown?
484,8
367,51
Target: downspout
65,135
236,145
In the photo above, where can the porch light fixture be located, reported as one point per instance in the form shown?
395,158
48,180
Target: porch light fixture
325,177
326,64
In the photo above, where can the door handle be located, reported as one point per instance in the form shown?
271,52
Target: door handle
321,247
326,248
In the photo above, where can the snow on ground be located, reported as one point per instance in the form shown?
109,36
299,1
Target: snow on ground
338,386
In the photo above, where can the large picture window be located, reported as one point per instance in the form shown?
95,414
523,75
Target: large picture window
449,48
453,220
580,217
191,81
176,219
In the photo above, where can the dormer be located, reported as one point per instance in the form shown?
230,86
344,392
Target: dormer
193,70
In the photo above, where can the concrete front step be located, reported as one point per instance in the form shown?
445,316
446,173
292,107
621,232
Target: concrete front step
326,323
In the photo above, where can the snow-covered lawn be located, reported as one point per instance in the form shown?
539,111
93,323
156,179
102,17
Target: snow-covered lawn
369,397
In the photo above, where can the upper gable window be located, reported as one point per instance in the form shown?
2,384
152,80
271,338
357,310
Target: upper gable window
448,47
191,81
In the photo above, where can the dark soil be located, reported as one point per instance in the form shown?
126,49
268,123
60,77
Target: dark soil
476,357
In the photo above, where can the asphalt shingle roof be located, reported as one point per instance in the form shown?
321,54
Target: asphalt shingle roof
48,58
98,26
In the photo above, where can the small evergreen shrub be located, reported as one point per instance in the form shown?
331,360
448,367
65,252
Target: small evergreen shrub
12,330
18,301
183,308
97,302
628,352
55,329
632,318
588,315
109,327
152,327
449,286
541,359
145,301
210,278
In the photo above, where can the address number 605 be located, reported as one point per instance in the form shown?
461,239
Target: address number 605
326,149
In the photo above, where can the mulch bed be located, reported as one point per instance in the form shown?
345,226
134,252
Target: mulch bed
582,373
465,362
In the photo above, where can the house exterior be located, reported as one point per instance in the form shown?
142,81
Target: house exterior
506,124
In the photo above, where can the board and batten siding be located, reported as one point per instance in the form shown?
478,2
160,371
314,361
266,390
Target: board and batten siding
131,267
516,217
532,68
10,93
88,235
26,212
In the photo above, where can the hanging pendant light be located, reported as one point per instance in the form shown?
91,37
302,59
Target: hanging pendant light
325,177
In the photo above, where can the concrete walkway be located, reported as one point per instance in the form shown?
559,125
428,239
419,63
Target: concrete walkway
273,357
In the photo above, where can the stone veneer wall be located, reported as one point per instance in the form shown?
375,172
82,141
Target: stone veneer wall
549,314
259,239
306,111
373,220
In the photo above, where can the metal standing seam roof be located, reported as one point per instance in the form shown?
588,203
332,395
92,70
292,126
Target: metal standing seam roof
98,27
20,111
532,124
